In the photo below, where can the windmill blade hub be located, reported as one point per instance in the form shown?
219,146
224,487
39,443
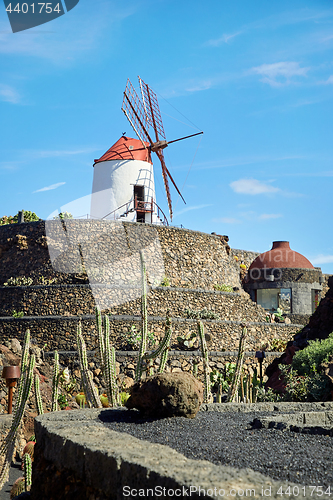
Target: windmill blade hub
158,145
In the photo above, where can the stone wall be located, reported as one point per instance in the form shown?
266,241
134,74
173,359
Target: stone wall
108,251
78,300
106,255
177,361
60,332
244,256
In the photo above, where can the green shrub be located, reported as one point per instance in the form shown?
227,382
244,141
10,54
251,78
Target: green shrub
133,337
203,314
268,395
310,359
6,219
223,288
306,388
165,281
64,215
124,397
17,314
28,216
18,281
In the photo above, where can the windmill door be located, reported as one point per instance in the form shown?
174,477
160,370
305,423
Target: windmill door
139,203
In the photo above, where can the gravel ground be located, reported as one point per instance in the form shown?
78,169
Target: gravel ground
228,439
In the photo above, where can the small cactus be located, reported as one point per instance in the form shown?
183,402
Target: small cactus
17,488
38,397
55,382
204,350
29,449
27,471
239,365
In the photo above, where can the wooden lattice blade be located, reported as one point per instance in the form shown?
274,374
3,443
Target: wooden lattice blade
152,109
136,114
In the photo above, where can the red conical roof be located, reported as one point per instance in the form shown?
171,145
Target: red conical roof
127,149
281,256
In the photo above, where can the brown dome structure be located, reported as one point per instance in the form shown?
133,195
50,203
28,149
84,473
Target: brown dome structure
286,280
281,256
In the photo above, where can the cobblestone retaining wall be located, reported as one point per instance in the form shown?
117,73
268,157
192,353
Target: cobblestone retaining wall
177,361
60,332
80,300
98,248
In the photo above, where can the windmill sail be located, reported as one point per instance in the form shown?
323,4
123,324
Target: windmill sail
143,113
152,109
135,112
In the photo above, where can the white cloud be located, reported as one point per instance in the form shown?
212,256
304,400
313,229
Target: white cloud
56,153
187,209
49,188
252,187
9,94
198,87
228,220
322,259
329,80
269,216
223,39
281,73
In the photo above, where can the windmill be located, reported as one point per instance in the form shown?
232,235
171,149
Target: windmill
144,114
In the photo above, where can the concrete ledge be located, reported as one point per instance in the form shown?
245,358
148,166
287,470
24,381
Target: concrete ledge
314,422
78,457
273,407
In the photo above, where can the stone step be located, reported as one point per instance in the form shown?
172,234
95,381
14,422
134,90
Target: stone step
59,332
59,300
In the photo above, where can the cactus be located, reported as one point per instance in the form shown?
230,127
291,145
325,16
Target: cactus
88,385
163,347
101,343
150,367
55,383
219,394
204,351
27,471
144,315
29,449
8,446
17,488
237,375
109,364
24,366
38,398
166,343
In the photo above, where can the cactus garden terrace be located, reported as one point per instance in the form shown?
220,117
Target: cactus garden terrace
69,270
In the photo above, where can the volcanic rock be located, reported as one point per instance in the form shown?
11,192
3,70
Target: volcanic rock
167,395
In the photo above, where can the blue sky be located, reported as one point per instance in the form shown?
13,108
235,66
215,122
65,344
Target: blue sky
255,76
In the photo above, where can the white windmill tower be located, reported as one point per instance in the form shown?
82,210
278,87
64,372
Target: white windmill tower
123,183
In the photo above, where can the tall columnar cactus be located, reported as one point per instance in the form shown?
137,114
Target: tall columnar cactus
163,347
89,388
109,364
38,397
8,446
239,365
101,342
27,471
24,367
204,351
55,383
144,315
166,343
